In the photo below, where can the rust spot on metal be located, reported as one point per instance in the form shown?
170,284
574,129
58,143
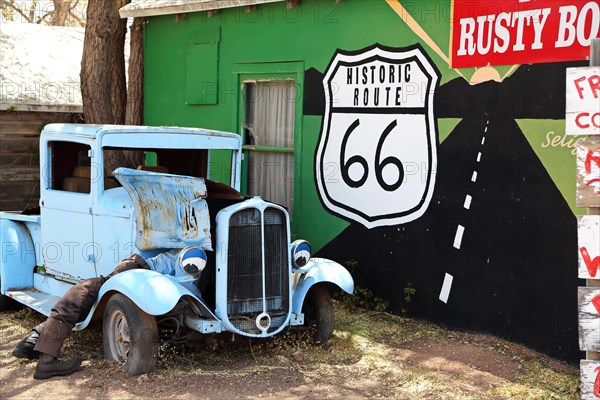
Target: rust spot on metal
170,210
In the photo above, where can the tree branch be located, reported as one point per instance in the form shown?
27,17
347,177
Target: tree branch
76,18
17,9
32,10
43,17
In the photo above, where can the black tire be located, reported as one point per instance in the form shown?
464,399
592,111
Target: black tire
318,313
130,336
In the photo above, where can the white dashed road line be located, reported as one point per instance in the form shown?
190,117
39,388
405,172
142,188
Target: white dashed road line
468,201
460,231
446,287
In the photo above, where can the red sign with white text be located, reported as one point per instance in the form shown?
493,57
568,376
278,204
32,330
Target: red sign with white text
504,32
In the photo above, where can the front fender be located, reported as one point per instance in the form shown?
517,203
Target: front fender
320,270
154,293
17,256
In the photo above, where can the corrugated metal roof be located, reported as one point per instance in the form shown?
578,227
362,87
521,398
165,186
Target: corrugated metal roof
146,8
39,67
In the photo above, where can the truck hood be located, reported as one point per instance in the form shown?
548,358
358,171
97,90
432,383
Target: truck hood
170,210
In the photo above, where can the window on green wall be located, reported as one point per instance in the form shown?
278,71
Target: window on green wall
269,121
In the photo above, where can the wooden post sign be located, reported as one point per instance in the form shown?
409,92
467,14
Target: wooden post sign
583,101
583,117
590,380
588,173
588,238
588,299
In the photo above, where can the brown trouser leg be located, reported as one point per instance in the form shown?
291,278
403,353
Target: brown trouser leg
73,307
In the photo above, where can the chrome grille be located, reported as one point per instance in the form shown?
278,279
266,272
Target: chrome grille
245,268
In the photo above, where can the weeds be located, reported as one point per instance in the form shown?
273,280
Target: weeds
409,294
28,314
362,297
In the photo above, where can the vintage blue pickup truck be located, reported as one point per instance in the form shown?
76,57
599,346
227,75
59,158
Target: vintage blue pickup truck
256,281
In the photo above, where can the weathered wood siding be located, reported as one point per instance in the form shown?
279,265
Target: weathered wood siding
589,246
582,101
588,174
590,380
19,155
589,318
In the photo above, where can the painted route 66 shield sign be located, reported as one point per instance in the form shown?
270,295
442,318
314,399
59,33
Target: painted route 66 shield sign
376,158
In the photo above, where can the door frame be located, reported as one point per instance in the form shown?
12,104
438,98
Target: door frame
275,71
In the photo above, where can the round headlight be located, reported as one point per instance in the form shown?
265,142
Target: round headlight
192,260
300,253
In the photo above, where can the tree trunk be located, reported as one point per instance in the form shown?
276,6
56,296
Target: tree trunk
96,70
119,88
61,12
103,86
135,90
103,90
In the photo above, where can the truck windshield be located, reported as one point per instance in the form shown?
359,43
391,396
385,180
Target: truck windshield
188,162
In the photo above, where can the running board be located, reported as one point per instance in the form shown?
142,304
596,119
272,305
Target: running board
40,302
43,295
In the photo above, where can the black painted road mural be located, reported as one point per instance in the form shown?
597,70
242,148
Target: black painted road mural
497,248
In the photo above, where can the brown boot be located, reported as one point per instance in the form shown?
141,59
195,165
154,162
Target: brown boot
24,349
49,366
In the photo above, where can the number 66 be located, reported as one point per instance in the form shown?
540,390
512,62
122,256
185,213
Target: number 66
379,165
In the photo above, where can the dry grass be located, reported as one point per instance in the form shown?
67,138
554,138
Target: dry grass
372,355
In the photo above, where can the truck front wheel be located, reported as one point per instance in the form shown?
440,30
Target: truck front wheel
130,336
318,313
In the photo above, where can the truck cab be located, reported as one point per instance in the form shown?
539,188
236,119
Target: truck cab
109,191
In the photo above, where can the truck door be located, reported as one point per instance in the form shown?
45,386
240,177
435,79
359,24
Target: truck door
68,248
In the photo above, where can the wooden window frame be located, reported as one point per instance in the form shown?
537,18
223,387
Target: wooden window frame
276,71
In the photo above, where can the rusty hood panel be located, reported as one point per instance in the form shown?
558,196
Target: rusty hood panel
170,210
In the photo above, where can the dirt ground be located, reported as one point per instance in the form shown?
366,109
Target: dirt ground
371,356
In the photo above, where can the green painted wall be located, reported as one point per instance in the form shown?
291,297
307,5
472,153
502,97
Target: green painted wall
309,34
272,33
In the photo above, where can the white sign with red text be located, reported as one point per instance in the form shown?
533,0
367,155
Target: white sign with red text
590,380
588,239
492,32
583,101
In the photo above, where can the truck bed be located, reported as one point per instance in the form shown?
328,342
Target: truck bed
18,216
